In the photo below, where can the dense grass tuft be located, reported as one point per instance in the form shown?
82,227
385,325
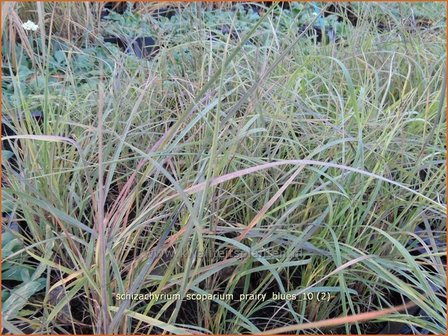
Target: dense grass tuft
246,160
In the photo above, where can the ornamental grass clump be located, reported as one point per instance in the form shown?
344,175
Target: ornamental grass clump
250,178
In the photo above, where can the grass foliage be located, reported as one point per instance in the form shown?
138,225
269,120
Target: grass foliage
248,162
